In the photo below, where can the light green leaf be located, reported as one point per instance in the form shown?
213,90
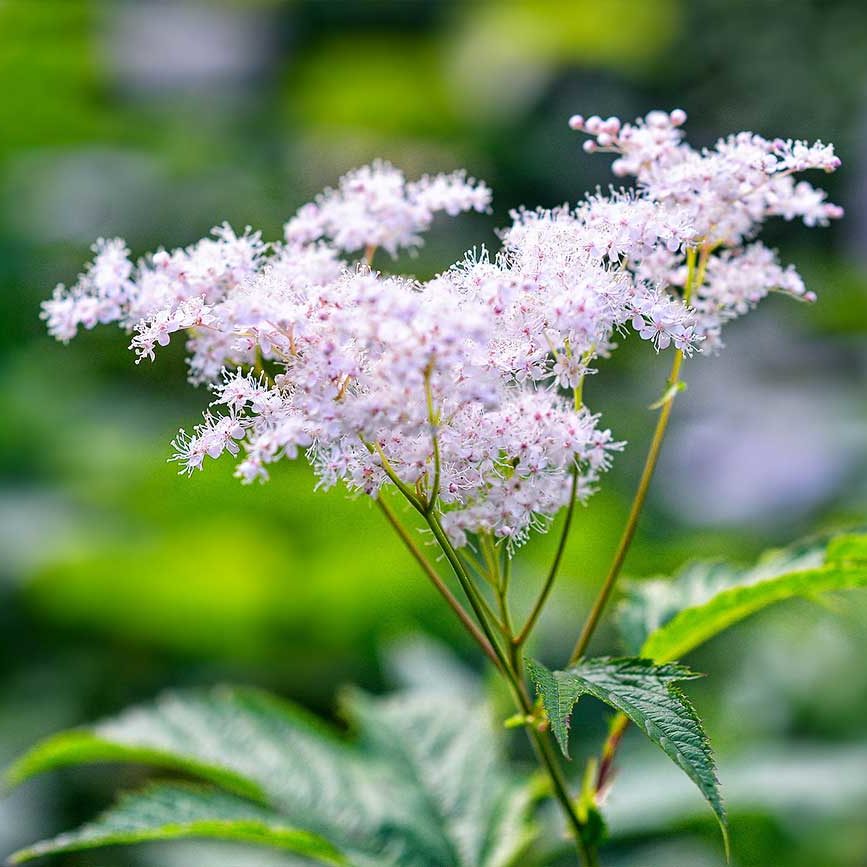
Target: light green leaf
382,800
647,695
171,812
665,619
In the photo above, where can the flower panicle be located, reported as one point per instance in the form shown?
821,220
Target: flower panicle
466,390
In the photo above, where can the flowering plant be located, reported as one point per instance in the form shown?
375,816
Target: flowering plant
462,399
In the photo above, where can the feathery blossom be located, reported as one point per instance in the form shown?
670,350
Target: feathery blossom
725,193
100,295
465,391
374,206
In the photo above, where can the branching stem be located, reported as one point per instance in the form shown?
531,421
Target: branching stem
508,661
693,281
541,744
524,634
435,579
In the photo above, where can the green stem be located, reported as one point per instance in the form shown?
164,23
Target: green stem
435,579
469,559
433,421
632,521
395,478
524,634
692,282
492,615
503,595
541,744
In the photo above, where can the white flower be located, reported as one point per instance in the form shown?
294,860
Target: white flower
374,206
99,296
464,391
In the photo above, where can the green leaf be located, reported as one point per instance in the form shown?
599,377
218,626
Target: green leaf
424,784
170,812
665,619
463,783
647,695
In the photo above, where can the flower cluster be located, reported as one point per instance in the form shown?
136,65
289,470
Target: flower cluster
725,194
374,206
464,392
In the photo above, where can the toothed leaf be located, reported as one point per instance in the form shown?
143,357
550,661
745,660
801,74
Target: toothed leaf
647,694
424,783
173,812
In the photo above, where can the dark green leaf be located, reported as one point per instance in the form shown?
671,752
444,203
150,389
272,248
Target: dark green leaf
647,694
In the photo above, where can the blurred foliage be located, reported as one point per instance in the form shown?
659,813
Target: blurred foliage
156,120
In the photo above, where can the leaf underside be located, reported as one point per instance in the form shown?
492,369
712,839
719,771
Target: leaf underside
423,784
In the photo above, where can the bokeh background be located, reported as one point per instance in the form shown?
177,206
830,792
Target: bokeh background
155,120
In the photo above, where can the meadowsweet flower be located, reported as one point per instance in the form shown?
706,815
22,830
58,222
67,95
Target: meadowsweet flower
463,391
374,206
724,193
736,281
99,296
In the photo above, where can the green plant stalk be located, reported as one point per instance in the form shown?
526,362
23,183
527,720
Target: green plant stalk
504,663
433,420
524,634
541,745
509,662
696,267
694,277
632,521
435,579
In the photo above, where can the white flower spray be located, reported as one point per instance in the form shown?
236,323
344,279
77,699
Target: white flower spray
465,388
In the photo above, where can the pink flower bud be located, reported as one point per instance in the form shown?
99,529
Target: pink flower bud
576,121
593,124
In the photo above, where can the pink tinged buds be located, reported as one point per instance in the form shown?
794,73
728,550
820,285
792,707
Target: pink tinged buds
576,121
658,119
678,117
593,124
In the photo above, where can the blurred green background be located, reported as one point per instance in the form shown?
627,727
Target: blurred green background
155,120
